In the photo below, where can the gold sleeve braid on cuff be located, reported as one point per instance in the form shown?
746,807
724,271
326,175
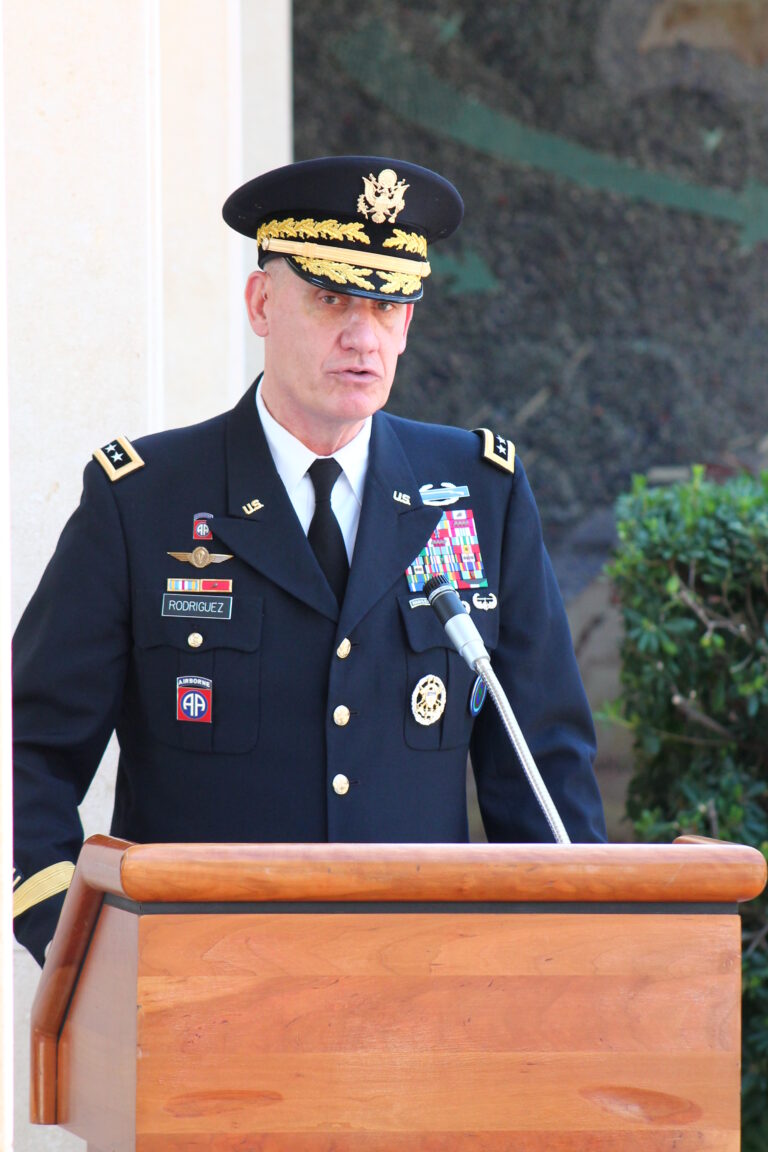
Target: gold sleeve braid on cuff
48,882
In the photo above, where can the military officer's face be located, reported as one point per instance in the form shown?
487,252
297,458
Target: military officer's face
329,359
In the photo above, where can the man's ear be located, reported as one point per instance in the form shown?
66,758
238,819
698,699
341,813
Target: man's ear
406,326
257,288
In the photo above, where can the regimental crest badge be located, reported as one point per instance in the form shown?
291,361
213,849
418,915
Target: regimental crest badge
201,529
383,198
453,551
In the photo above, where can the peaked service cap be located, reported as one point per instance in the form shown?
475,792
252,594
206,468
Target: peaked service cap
358,225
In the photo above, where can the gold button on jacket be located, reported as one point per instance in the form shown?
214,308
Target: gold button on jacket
341,715
340,784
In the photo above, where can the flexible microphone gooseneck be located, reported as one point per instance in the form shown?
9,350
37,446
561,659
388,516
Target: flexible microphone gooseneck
461,631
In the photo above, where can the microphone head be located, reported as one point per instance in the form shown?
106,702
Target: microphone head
443,599
433,584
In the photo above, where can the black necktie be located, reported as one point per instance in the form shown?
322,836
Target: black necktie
324,532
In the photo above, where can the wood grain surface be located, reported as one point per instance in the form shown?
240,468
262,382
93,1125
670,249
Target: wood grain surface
97,870
343,1032
96,1087
400,1030
542,872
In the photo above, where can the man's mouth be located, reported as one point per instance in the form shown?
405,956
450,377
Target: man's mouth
356,373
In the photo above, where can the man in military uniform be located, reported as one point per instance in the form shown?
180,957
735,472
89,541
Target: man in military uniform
242,600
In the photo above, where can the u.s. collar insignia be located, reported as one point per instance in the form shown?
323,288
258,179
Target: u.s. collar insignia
383,198
401,497
118,458
497,450
446,494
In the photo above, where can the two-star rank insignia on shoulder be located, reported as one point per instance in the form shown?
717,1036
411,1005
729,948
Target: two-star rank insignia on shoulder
118,458
499,451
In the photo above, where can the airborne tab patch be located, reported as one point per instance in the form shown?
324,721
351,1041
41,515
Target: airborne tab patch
497,450
118,458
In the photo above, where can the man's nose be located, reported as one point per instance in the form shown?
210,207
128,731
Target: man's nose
359,332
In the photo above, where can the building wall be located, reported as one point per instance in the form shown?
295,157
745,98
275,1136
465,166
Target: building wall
126,125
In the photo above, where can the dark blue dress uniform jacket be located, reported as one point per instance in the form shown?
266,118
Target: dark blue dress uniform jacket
93,653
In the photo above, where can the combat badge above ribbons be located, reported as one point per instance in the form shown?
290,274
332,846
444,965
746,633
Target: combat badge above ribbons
118,458
452,551
497,449
446,494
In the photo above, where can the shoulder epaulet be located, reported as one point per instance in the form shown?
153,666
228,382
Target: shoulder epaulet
50,881
118,458
496,449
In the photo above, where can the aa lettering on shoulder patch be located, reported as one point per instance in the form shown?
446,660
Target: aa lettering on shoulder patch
497,450
118,458
194,699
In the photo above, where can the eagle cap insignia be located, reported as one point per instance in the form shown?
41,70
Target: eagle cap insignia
383,198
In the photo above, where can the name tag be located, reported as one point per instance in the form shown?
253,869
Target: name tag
200,607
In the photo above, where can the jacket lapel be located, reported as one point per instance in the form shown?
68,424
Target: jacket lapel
391,533
269,538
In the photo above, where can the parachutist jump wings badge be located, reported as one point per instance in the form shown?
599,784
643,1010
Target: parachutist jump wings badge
201,557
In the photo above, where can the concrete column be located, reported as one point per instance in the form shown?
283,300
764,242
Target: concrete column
126,125
6,946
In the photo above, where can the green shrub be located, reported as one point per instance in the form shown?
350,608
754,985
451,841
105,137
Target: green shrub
691,574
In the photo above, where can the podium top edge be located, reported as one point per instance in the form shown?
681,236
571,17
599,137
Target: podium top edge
700,871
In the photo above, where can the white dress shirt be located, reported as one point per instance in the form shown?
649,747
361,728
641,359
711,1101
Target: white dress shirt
292,459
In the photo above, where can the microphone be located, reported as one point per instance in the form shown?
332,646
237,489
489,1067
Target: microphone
463,634
459,626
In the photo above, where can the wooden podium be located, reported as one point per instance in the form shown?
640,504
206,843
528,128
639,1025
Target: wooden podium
389,998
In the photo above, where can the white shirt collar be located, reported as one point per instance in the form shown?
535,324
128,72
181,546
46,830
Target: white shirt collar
292,458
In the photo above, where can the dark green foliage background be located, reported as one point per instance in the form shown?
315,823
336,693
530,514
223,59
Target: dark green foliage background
691,573
615,333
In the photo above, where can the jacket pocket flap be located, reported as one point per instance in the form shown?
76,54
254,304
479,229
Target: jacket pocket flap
241,630
424,630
